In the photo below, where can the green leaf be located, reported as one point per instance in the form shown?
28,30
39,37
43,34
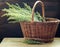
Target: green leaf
32,42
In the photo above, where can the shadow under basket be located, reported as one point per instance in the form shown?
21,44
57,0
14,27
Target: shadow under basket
41,31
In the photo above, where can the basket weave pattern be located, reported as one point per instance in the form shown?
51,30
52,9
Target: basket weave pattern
39,31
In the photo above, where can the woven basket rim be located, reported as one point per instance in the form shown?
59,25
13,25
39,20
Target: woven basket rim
49,20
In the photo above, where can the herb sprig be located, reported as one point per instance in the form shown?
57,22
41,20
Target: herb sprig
17,13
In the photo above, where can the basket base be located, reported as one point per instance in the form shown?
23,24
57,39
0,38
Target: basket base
41,40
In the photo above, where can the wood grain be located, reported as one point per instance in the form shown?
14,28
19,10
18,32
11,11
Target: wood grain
16,42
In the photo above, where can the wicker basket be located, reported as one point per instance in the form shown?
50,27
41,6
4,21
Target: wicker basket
41,31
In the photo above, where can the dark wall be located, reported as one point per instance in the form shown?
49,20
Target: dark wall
13,30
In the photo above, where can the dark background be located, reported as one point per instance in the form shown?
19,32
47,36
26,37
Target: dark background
52,9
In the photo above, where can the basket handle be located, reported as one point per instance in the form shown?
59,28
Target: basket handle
34,9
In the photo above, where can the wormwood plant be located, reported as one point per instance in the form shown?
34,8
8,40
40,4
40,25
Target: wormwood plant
15,13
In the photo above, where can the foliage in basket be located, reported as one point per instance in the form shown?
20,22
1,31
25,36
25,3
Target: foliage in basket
15,13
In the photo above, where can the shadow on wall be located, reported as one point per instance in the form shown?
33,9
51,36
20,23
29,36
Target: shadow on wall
10,30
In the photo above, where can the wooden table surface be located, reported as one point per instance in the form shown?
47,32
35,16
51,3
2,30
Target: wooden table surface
16,42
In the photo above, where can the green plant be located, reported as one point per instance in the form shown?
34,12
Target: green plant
15,13
32,42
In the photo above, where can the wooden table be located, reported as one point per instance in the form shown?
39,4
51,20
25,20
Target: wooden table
16,42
